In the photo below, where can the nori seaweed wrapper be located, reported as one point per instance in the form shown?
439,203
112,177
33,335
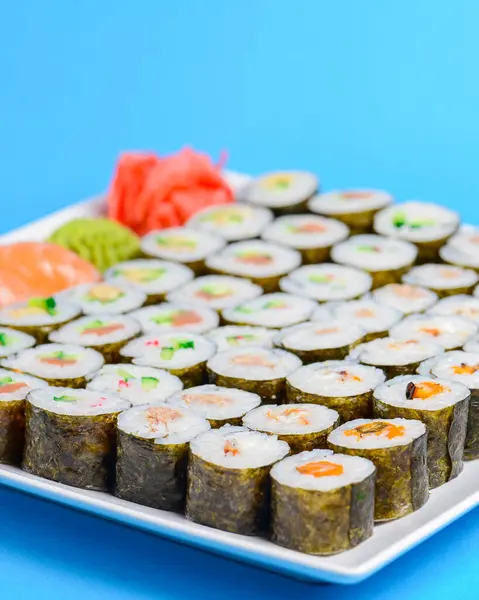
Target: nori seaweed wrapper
381,278
443,293
271,391
358,222
428,252
471,449
75,382
155,299
396,370
321,354
191,376
300,442
12,431
313,256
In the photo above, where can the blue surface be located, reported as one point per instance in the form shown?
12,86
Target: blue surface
365,93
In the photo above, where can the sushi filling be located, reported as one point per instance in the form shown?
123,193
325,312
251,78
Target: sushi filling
320,335
149,275
372,434
234,336
181,244
281,189
460,305
391,351
107,298
232,222
97,330
447,331
405,298
292,419
166,316
462,367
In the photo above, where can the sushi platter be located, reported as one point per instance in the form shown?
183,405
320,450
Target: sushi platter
339,377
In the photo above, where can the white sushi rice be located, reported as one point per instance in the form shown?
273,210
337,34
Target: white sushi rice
255,259
31,313
461,305
181,244
410,430
440,277
405,298
449,331
316,335
178,317
150,275
334,379
138,385
238,448
389,352
78,361
327,282
291,419
370,315
416,221
462,248
281,188
162,423
79,403
305,231
234,336
472,345
374,253
453,367
16,386
289,472
12,341
344,202
322,312
216,291
455,256
215,402
97,330
272,310
254,364
111,298
233,222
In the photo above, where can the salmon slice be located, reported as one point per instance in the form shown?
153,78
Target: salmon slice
186,317
103,329
424,390
230,448
250,360
10,388
321,468
464,369
368,429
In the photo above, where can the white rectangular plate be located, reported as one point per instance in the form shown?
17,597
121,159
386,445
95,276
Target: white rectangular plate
388,542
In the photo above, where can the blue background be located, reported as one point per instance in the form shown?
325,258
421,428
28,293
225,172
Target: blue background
376,93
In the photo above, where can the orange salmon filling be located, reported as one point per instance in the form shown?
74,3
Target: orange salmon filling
103,329
434,331
353,195
161,416
408,291
327,330
9,388
345,376
321,468
255,259
298,414
464,369
424,390
209,399
310,228
377,429
364,313
449,274
401,345
249,360
230,448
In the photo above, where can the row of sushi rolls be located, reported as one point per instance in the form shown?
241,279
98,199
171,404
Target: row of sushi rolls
290,364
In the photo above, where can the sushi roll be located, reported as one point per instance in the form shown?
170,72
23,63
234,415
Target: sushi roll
70,436
182,354
13,341
153,277
442,406
105,333
38,316
322,503
138,385
317,341
376,319
406,298
216,291
302,426
343,386
460,305
228,478
219,405
396,357
398,448
14,388
262,371
263,263
425,367
284,192
232,222
425,224
386,260
355,208
183,245
152,454
271,310
234,336
449,331
311,235
110,298
461,248
327,282
445,280
176,317
63,365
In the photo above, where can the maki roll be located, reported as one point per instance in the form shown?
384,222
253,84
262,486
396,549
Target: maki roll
322,503
216,291
110,298
425,368
284,192
153,454
13,341
271,310
234,336
219,405
461,248
263,263
398,448
138,385
14,388
262,371
311,235
442,279
327,282
105,333
425,224
228,478
176,317
376,319
63,365
317,341
153,277
232,222
183,245
442,406
460,305
406,298
38,316
182,354
70,436
449,331
302,426
355,208
340,385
